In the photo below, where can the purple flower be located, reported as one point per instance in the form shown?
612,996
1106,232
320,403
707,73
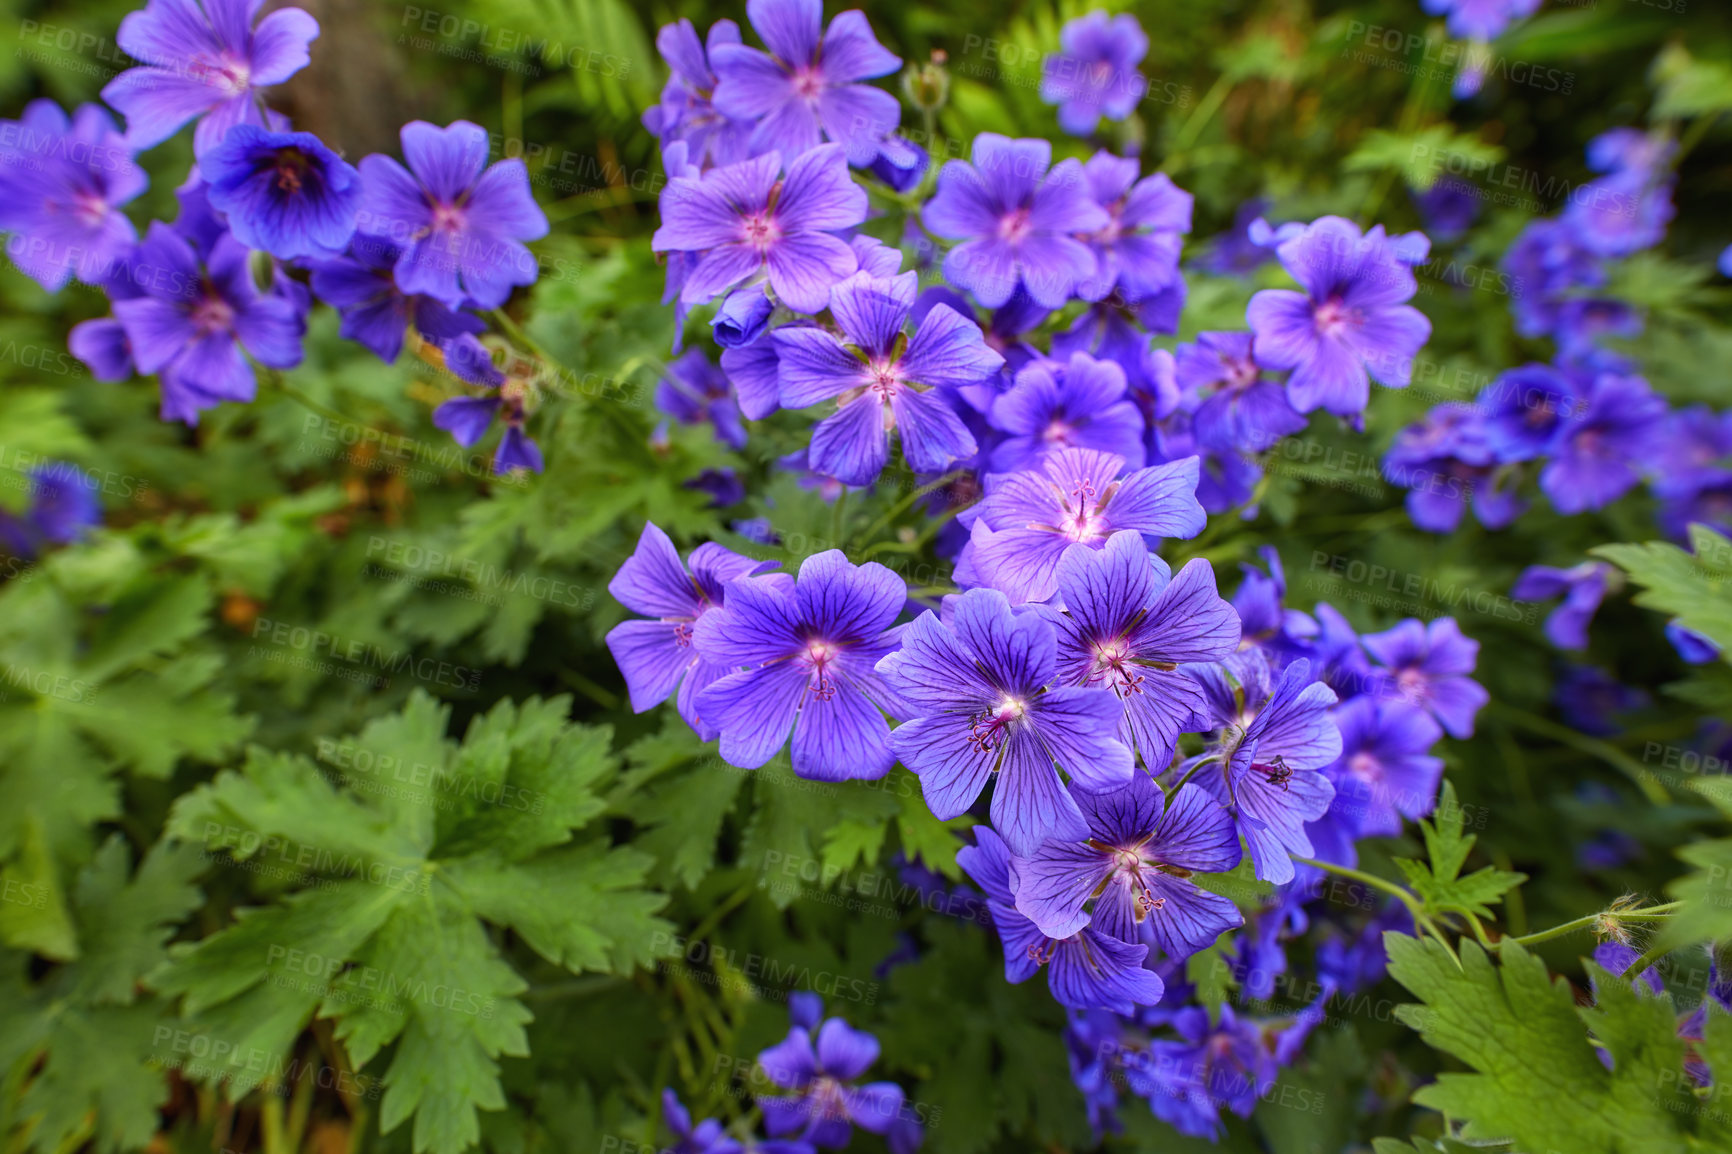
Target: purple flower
1234,252
1590,699
1526,410
1076,497
744,221
1095,74
901,164
1695,445
1136,865
707,1137
1137,251
1596,460
467,418
1693,648
820,1063
1480,19
1088,970
979,703
1187,1082
62,183
743,317
695,392
1127,628
63,507
1386,771
1349,321
1628,209
1237,408
204,59
1448,207
284,193
882,380
804,659
1015,220
1549,265
1583,587
459,220
687,110
1445,461
806,88
192,323
1273,738
1055,406
375,312
1428,666
657,657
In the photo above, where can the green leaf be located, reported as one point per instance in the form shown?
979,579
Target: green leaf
420,847
1422,156
1692,587
1533,1057
1438,882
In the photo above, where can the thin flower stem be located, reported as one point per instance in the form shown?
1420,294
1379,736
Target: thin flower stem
1408,899
1202,114
902,505
1651,913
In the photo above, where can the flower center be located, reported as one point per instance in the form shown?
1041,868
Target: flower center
885,379
1015,226
759,230
90,208
291,167
224,72
1365,767
1111,661
447,218
683,635
1276,770
985,728
1334,317
821,654
212,315
808,82
1241,374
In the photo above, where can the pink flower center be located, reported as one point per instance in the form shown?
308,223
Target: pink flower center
1365,767
1014,226
291,169
224,72
1112,665
821,654
447,218
1241,374
1333,317
886,379
986,727
90,208
760,230
1057,432
808,82
212,315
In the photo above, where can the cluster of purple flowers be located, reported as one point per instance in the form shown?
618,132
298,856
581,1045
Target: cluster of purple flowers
817,1069
268,218
1123,730
1586,426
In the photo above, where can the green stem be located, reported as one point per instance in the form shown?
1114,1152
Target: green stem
902,505
1611,755
1203,113
1651,913
1413,904
837,518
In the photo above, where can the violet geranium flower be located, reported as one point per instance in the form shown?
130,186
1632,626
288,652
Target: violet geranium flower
284,193
1095,74
1088,970
686,111
695,392
1582,587
1137,252
460,220
1015,221
376,314
742,220
1275,736
1054,405
804,659
1386,771
191,323
980,705
657,657
1237,407
820,1063
1075,497
62,182
807,86
203,58
1127,628
1595,460
1428,666
1349,321
1136,865
883,381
